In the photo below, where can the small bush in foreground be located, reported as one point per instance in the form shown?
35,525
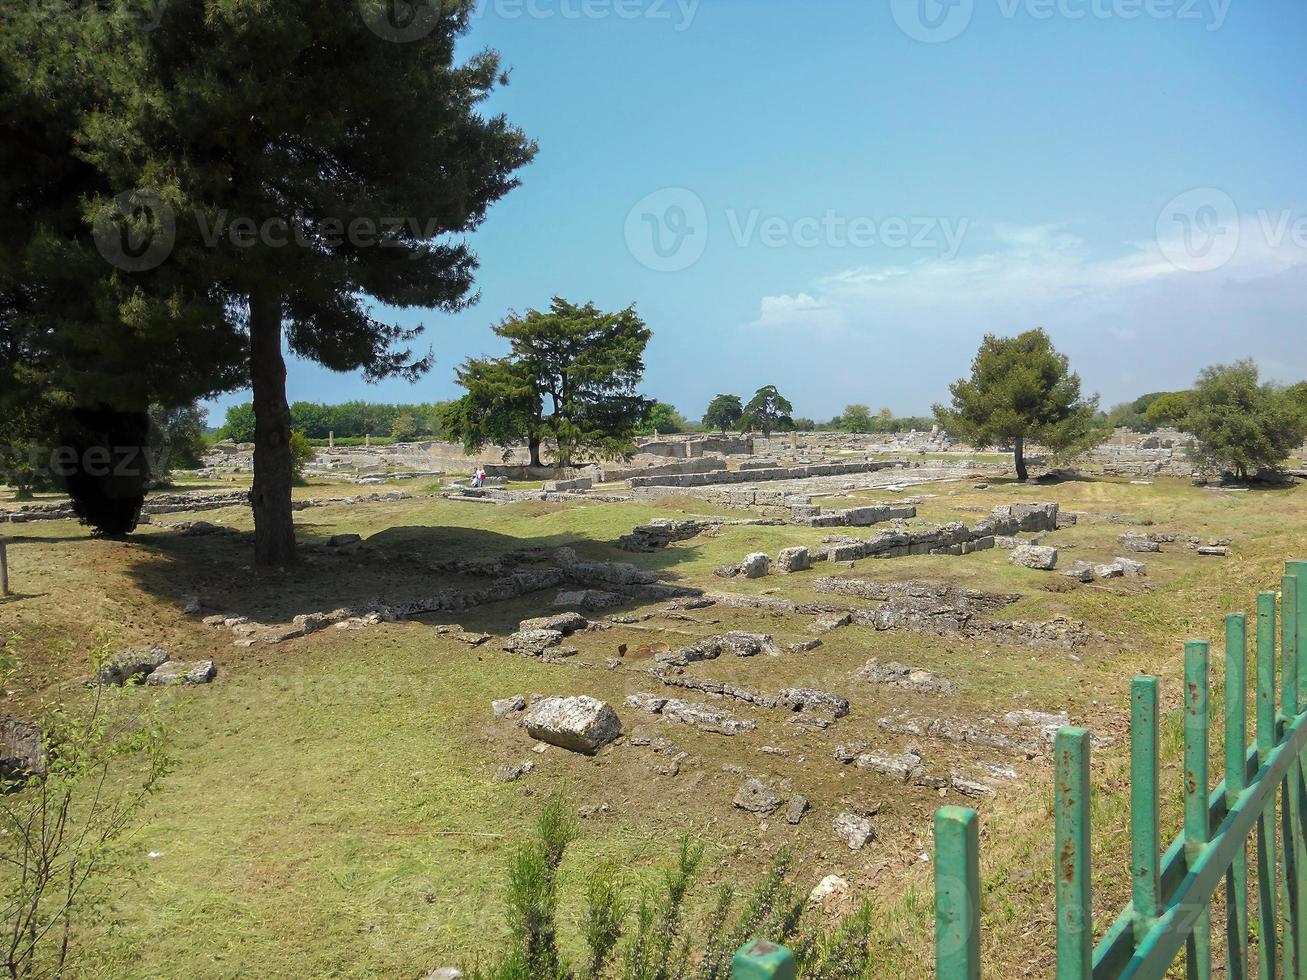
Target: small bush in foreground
653,939
59,825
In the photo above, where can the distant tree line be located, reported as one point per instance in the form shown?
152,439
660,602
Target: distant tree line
348,420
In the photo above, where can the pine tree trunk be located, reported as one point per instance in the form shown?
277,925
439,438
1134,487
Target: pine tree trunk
1022,475
274,525
533,443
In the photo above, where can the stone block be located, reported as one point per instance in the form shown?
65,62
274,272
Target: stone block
1034,556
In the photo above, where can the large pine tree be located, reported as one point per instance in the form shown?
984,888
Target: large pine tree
571,377
300,160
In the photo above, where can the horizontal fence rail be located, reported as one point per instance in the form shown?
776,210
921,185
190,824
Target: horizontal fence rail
1262,799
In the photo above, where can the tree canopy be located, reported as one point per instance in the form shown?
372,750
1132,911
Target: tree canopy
1240,426
856,418
724,413
1021,389
662,419
570,377
287,169
348,420
767,411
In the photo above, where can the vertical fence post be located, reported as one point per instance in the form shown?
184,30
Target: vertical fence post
1236,780
1075,920
1197,824
957,893
1291,808
1144,810
4,568
1267,871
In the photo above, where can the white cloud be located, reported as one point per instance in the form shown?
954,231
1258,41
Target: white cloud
929,314
799,313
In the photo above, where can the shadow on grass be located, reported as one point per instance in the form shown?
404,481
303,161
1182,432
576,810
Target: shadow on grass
394,568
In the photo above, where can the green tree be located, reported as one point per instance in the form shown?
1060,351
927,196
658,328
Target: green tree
570,376
176,438
1240,426
501,407
239,424
1169,408
767,411
663,419
857,418
1134,415
301,453
404,428
1298,395
330,130
1021,389
100,340
724,413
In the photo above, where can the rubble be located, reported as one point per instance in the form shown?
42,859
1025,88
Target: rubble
755,796
855,831
181,672
905,678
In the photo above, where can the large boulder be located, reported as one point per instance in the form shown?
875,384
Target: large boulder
131,664
1039,557
579,724
532,642
755,565
793,560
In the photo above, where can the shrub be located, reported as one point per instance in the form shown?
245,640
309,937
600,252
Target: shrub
1239,425
655,940
301,451
59,826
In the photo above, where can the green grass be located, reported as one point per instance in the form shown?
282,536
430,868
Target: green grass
332,813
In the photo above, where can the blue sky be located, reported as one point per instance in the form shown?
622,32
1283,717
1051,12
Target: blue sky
841,197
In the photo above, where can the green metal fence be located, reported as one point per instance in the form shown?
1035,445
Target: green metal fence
1263,797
